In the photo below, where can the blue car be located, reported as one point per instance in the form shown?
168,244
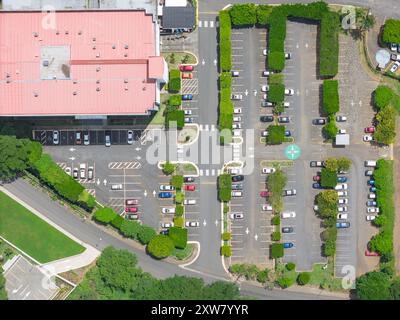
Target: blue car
288,133
288,245
316,185
165,195
341,179
372,189
187,97
371,203
371,182
341,225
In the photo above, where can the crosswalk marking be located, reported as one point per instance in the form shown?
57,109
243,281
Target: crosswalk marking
206,127
211,24
124,165
206,24
200,23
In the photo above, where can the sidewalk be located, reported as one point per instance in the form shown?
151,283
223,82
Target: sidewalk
396,231
65,264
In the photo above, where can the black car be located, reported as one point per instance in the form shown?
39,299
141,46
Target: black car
238,178
164,232
287,229
188,179
319,121
283,119
316,185
267,118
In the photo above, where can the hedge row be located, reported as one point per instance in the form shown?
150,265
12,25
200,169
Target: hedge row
391,31
174,85
62,183
276,134
224,187
225,51
175,116
329,45
243,15
330,96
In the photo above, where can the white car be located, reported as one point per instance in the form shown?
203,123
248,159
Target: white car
237,110
68,170
192,223
395,66
266,207
289,92
286,104
288,55
237,119
116,187
289,192
265,52
342,216
342,193
372,210
264,133
341,118
166,187
235,171
187,112
56,137
237,96
343,201
265,88
168,210
267,73
189,201
265,96
341,186
288,214
367,138
129,138
237,126
82,171
268,170
90,171
236,215
371,196
370,163
235,73
167,224
342,209
236,193
370,218
342,131
393,47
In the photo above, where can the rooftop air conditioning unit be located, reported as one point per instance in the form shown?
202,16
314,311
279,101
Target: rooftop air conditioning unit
45,63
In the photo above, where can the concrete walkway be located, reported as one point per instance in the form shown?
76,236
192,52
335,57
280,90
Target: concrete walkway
65,264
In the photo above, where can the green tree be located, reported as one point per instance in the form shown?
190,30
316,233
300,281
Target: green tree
327,204
276,236
262,276
290,266
276,182
220,290
160,246
168,168
178,236
382,96
105,215
277,250
285,282
330,248
395,289
391,31
226,250
276,134
343,164
373,286
328,178
382,242
303,278
130,229
330,97
330,130
243,14
332,164
276,92
263,13
145,234
386,130
177,181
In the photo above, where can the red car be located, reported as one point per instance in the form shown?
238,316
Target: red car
371,253
190,187
265,194
369,129
187,75
186,68
131,209
316,178
131,202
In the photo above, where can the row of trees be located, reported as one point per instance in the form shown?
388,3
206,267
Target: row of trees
117,276
330,103
173,113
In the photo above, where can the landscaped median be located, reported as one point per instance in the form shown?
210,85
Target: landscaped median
330,104
32,235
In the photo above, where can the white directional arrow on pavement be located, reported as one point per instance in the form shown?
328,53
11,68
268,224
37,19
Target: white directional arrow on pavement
256,237
98,182
154,193
246,92
203,62
247,231
72,149
138,157
360,103
138,149
204,222
216,222
352,103
297,45
306,45
72,158
145,193
105,182
215,62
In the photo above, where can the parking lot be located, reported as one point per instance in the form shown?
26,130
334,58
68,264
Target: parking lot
191,107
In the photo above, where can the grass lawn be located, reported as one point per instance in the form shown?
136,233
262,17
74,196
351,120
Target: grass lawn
182,254
33,235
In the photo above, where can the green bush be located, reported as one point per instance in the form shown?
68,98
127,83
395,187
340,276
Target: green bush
179,237
226,251
225,80
105,215
329,44
343,164
168,168
330,248
86,200
330,130
177,181
174,85
328,178
382,95
175,117
276,250
225,51
179,209
285,282
226,236
224,187
117,222
178,222
303,278
276,78
290,266
130,229
329,234
382,243
373,286
386,129
243,14
145,234
276,220
391,31
179,197
175,100
330,98
327,204
160,246
276,134
263,13
276,93
276,236
262,276
276,61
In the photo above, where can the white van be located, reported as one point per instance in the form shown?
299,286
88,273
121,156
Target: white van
267,207
371,196
116,187
370,163
288,214
189,201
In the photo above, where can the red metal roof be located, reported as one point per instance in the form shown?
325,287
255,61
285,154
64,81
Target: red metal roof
112,68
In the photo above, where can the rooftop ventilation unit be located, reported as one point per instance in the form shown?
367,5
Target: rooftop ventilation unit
94,39
74,93
75,81
125,80
126,88
97,89
126,46
35,34
45,63
113,46
97,81
80,32
57,32
125,55
98,69
97,55
35,94
66,32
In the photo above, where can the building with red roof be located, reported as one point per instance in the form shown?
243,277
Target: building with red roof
80,63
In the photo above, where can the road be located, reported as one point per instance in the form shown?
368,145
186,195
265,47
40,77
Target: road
98,238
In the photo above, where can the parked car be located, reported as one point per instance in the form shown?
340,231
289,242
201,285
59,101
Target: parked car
164,232
288,133
237,96
167,224
393,47
265,194
289,192
395,57
371,196
107,138
267,73
395,66
129,137
187,75
372,189
288,245
236,194
237,125
286,104
187,112
266,207
268,170
342,131
283,119
265,103
237,110
75,173
90,172
132,216
341,118
237,178
367,138
316,178
372,210
265,52
131,202
78,137
265,88
267,118
342,216
235,73
170,210
187,96
316,185
316,163
369,173
288,214
56,137
341,186
186,68
343,201
370,163
188,179
342,193
341,179
370,217
342,209
82,171
288,55
315,207
237,119
319,121
192,224
371,203
164,194
237,186
86,139
236,216
289,92
166,187
190,187
189,202
189,120
369,129
371,253
287,230
131,209
341,225
116,186
234,171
